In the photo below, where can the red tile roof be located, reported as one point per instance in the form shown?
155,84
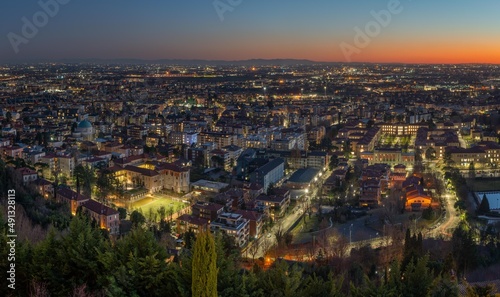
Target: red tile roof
70,194
99,208
193,220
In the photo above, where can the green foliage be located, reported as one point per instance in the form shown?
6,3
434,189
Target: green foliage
464,249
281,281
204,266
428,213
315,286
137,218
443,287
430,153
413,248
85,179
122,212
135,266
334,161
81,247
372,289
104,184
417,278
480,291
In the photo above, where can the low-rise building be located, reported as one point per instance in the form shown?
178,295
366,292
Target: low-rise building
209,186
70,197
27,175
106,217
277,203
416,199
44,187
186,223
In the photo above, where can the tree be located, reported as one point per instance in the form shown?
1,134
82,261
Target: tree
472,170
444,287
417,278
85,179
447,158
254,248
118,188
122,213
464,248
280,234
104,184
135,266
315,286
484,207
137,218
204,266
428,213
282,280
78,257
270,189
430,153
334,161
479,291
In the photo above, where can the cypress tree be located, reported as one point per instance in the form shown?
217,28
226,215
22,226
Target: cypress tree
204,266
484,207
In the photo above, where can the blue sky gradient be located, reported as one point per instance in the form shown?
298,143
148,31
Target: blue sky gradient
191,29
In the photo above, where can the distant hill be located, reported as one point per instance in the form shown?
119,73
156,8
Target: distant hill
181,62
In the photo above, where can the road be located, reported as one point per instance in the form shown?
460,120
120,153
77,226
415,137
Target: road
451,218
267,240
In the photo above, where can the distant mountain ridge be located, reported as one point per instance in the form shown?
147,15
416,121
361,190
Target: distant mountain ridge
196,62
204,62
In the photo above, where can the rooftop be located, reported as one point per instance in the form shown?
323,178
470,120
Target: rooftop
304,175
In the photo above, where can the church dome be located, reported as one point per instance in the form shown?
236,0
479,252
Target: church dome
84,124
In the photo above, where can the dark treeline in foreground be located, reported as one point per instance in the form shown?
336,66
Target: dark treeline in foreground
61,256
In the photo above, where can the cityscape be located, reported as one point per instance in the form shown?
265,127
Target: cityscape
257,168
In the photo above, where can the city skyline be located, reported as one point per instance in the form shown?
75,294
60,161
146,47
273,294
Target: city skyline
420,31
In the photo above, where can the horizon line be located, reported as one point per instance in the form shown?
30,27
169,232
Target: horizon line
146,61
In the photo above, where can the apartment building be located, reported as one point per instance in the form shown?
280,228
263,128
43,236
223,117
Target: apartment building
233,225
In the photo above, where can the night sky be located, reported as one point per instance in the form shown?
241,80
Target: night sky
425,31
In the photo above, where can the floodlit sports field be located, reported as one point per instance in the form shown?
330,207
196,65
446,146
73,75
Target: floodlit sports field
155,202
